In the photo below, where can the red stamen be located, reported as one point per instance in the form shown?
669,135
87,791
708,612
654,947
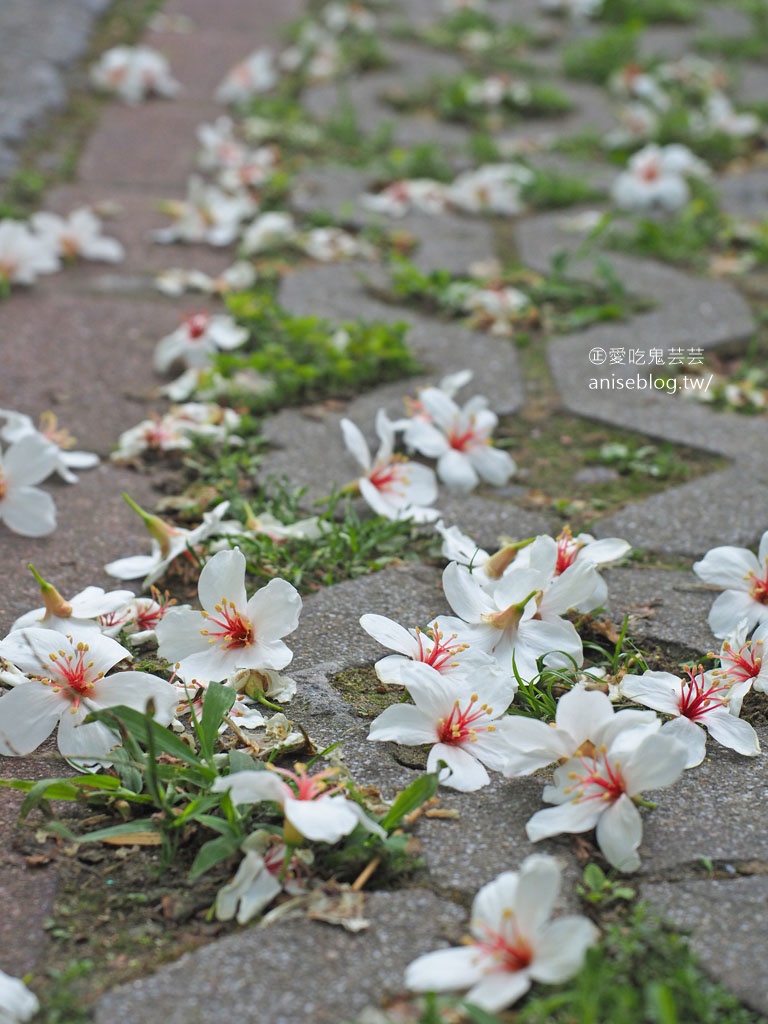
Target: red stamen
696,698
234,630
458,726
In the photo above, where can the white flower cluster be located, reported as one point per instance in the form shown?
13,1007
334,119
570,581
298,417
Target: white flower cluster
133,73
39,247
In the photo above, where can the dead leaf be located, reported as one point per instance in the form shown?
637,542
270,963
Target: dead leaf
338,905
135,839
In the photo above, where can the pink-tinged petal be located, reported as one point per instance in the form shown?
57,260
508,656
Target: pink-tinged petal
446,970
567,817
456,471
619,833
658,690
732,732
251,787
324,820
561,947
390,634
692,736
494,465
356,444
28,715
30,460
538,886
28,511
275,611
496,991
466,772
403,723
223,578
730,608
465,595
727,567
85,744
657,761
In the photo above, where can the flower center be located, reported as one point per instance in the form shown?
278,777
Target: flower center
74,672
440,653
511,949
234,630
197,325
460,441
308,787
742,664
600,780
697,698
567,550
759,588
650,171
385,477
461,725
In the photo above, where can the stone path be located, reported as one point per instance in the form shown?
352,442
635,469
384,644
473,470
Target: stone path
81,343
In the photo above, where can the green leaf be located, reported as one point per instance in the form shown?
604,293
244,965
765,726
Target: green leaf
127,828
213,852
413,796
479,1016
139,725
216,703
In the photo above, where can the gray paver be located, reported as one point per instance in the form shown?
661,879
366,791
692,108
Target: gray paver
727,921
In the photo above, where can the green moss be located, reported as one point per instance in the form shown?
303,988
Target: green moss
363,689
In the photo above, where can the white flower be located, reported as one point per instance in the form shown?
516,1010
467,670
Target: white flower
24,508
67,681
742,660
422,194
250,77
513,941
705,700
18,425
78,235
463,720
17,1003
585,721
198,337
647,182
231,632
168,542
492,188
269,231
460,439
329,244
176,281
631,81
207,215
133,73
506,619
312,810
393,487
81,612
601,790
23,255
459,547
745,577
721,117
447,653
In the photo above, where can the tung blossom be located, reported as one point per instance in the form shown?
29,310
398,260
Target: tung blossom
655,177
68,680
24,508
460,439
462,720
601,789
704,700
393,486
745,579
743,660
232,632
81,612
314,808
23,255
17,1004
513,944
208,214
134,73
199,336
77,236
18,425
250,77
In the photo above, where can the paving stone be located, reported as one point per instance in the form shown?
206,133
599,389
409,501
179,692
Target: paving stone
745,195
727,921
712,812
353,970
663,606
